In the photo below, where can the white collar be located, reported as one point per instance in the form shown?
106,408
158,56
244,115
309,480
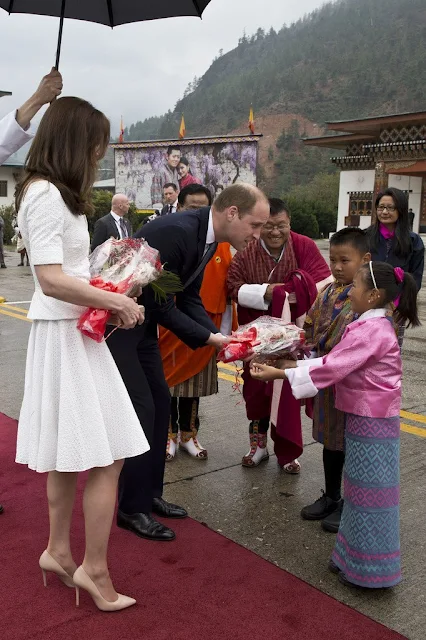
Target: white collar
373,313
267,250
210,230
116,217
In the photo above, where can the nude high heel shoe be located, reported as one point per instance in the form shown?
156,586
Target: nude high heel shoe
83,581
47,563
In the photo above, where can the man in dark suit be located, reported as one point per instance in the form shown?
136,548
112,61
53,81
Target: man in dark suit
186,242
114,224
170,198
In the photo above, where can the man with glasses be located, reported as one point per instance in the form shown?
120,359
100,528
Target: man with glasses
280,264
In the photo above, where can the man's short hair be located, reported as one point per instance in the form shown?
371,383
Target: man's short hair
171,184
276,206
193,190
172,147
352,236
241,195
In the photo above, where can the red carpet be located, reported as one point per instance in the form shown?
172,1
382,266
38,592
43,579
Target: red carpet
222,591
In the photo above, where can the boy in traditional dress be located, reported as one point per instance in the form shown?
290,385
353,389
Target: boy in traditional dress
324,326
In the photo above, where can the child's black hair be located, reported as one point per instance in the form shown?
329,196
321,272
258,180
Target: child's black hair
387,281
354,237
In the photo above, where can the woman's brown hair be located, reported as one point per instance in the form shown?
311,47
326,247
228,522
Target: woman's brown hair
70,140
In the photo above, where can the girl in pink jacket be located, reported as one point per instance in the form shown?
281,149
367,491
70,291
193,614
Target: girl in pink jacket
366,369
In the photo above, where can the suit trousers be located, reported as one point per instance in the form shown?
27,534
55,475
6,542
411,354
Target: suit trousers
137,356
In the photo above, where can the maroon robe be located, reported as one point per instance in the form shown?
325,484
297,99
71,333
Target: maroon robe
254,265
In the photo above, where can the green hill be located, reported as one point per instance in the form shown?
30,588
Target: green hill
348,59
351,58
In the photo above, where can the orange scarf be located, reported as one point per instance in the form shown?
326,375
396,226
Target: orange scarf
181,363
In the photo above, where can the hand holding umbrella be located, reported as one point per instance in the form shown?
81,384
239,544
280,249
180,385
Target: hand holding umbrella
49,88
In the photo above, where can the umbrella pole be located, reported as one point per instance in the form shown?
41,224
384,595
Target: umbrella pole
61,25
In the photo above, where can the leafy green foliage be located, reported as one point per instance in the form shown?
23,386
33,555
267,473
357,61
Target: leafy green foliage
8,214
319,197
303,219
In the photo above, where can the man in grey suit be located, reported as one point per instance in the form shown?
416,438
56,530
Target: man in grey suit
114,224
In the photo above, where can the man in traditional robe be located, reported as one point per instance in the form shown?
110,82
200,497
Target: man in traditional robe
279,275
193,374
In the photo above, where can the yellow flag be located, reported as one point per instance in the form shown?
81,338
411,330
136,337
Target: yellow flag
182,129
251,121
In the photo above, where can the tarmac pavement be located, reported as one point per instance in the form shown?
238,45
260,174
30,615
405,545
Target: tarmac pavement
260,508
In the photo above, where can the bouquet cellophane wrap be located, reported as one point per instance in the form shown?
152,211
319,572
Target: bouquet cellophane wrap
264,339
120,266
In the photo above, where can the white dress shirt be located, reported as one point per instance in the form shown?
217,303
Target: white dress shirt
117,222
12,136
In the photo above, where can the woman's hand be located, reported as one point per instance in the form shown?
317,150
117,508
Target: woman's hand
265,372
129,313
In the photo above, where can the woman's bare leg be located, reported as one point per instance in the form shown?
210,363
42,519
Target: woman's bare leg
99,500
61,495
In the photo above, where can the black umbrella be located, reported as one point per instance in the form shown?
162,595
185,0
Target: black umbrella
109,12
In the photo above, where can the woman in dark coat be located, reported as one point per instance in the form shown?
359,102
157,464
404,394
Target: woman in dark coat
391,238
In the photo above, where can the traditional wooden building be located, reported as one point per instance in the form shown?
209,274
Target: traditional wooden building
378,152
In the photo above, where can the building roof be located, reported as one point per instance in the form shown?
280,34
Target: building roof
16,163
187,141
109,183
366,131
376,123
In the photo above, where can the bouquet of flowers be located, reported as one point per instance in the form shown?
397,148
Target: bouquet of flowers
265,338
124,266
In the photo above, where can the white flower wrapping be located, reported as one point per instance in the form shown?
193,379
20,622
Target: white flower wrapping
265,338
129,259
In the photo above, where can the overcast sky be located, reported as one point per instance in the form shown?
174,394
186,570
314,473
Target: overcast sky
136,70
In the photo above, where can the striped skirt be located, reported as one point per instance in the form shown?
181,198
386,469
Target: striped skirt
367,548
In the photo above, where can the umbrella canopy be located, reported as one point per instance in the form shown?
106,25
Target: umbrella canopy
109,12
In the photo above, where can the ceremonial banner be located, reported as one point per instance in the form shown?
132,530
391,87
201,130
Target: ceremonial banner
143,168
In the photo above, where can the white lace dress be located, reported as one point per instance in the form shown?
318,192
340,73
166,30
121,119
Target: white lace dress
76,413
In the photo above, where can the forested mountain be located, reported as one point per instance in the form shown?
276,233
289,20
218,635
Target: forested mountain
350,58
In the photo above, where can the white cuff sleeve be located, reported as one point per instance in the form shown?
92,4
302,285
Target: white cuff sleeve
252,296
226,323
12,136
312,361
300,379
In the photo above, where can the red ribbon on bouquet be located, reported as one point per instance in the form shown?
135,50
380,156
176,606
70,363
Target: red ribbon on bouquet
93,322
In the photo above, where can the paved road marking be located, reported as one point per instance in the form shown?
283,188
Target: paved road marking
10,306
415,417
416,431
14,315
18,302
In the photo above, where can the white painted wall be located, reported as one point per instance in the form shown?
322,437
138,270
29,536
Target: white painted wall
6,173
363,180
414,184
358,180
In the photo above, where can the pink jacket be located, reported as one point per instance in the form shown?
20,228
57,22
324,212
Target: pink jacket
365,367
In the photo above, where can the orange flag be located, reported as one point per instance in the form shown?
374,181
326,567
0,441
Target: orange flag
182,129
121,136
251,121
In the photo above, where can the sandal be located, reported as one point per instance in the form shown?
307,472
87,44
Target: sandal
293,468
171,447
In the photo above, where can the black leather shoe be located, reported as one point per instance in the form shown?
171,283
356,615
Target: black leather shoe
145,526
167,509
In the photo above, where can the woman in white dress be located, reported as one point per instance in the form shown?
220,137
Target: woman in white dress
76,414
